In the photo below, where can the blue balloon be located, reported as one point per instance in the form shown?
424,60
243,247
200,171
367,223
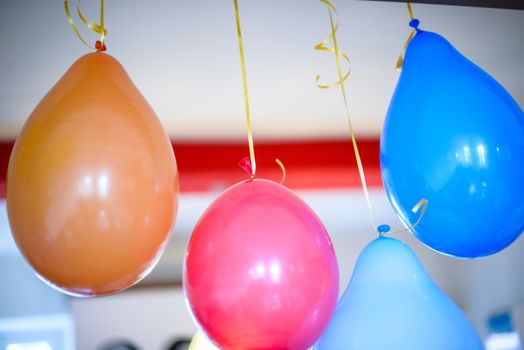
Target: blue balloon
391,303
455,137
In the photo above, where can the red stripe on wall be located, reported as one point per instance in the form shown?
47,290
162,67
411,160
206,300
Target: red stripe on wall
318,164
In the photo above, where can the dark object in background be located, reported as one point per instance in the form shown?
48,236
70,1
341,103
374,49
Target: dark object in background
503,4
180,344
119,345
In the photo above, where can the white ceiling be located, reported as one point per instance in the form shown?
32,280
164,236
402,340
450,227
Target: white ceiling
183,56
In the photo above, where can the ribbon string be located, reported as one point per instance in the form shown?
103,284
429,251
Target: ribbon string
322,46
341,79
423,203
246,95
414,24
97,28
103,31
410,11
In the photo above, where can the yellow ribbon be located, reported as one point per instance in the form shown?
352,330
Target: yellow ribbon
423,203
322,46
281,165
400,60
246,95
341,79
97,28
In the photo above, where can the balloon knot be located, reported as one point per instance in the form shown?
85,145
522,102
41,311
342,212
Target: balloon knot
245,164
383,229
100,47
414,23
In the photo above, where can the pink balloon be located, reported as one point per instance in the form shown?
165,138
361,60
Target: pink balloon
260,270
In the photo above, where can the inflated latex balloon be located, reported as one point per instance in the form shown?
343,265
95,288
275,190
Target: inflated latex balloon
201,342
391,303
260,270
92,182
455,137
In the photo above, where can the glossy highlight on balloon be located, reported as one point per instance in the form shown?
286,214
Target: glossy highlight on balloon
92,182
455,137
391,303
260,270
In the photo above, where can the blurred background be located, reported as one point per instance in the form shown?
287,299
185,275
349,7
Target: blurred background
183,56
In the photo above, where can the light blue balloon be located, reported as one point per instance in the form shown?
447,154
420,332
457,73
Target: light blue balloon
454,136
391,303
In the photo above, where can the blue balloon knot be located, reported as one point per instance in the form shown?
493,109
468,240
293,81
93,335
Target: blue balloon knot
414,23
383,229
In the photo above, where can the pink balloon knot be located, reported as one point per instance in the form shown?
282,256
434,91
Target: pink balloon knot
245,164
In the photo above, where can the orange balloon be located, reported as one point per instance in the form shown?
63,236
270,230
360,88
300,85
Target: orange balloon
92,182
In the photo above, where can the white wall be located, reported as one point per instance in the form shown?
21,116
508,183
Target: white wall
490,285
518,317
152,317
183,56
149,318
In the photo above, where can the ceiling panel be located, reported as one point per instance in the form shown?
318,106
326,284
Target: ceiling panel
503,4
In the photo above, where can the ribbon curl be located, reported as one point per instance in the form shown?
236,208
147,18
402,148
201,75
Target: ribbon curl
283,168
341,79
423,203
322,46
245,164
95,27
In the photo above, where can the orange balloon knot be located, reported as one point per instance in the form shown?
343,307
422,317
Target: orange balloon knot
100,47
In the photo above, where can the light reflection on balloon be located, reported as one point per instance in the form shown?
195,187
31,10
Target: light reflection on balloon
455,137
391,303
93,182
260,271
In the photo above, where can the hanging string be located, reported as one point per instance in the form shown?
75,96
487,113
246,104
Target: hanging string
97,28
322,46
103,31
341,79
253,165
413,23
423,203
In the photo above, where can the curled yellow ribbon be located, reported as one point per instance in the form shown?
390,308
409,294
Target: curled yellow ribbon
322,46
97,28
281,165
246,95
341,79
423,203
